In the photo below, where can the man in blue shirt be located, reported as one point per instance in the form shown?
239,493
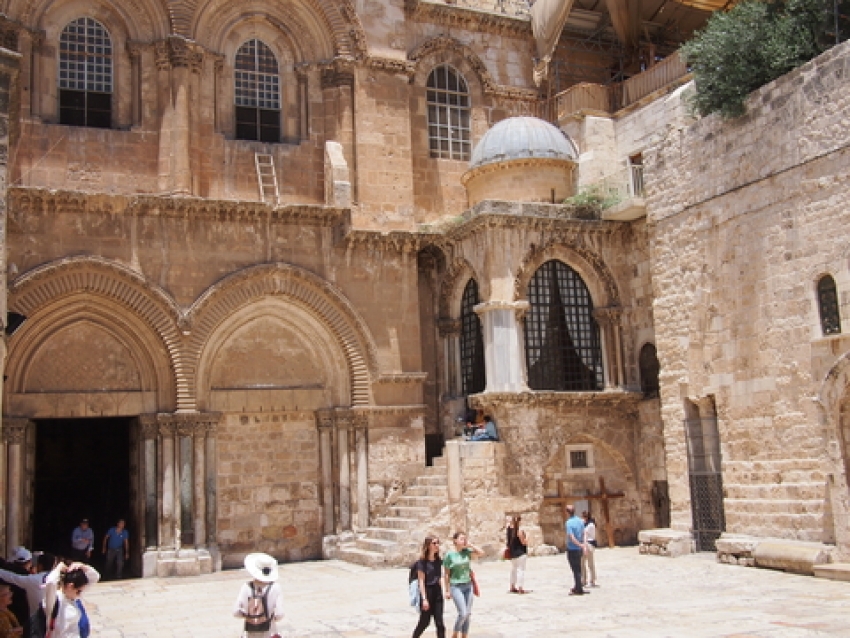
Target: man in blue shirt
487,433
82,541
575,548
116,546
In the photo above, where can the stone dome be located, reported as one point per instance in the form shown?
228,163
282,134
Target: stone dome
523,138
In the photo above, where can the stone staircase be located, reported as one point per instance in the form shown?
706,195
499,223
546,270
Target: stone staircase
395,539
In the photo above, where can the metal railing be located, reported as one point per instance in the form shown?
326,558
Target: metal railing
626,183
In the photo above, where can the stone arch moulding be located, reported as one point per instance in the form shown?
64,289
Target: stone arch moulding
118,296
142,20
594,272
332,29
320,298
444,49
452,284
834,386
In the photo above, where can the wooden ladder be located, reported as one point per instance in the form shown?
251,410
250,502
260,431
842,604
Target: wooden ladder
267,178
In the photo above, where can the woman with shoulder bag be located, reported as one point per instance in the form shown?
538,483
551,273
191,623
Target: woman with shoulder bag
260,601
429,569
517,548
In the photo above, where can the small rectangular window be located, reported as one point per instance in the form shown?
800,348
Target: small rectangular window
578,459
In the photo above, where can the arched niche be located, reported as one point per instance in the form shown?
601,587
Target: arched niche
272,354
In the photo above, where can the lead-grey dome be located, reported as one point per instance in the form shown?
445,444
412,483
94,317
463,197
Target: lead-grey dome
522,138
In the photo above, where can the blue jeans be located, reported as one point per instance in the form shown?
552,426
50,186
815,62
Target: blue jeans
462,597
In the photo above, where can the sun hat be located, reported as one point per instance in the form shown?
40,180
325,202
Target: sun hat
21,555
262,567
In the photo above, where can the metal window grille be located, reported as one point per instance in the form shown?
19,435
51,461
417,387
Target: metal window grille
85,57
257,92
830,318
448,114
706,482
578,459
562,343
471,342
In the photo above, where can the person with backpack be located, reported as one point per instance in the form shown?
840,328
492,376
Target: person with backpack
429,572
66,615
260,601
33,585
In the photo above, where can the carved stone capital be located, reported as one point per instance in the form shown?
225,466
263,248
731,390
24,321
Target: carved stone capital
325,419
449,327
179,424
135,49
176,52
15,430
9,33
149,426
519,307
609,316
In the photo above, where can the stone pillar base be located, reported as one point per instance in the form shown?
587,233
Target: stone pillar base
184,562
665,542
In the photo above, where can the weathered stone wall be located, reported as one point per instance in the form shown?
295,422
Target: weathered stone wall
268,478
745,217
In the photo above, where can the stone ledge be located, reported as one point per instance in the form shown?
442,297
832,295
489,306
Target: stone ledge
791,556
833,571
736,549
184,562
665,542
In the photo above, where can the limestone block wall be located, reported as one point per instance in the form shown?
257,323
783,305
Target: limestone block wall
268,494
745,217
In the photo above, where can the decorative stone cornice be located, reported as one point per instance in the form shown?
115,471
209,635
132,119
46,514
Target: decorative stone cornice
565,227
549,399
24,201
179,424
359,43
519,307
403,377
15,430
399,240
397,410
391,65
454,15
498,167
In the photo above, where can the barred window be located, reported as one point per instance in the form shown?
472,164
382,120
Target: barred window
830,319
85,74
562,344
257,93
471,342
448,114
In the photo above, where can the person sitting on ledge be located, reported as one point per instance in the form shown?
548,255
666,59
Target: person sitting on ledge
486,433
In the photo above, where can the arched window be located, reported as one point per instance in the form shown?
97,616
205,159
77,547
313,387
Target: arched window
471,342
448,114
830,319
85,74
257,93
649,369
562,342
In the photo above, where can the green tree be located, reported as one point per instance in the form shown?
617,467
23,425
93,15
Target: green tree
754,43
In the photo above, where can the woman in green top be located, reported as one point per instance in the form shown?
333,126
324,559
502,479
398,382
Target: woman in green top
458,575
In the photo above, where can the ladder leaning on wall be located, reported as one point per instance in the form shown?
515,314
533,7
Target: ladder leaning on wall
266,178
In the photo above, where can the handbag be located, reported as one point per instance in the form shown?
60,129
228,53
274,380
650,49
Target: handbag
475,590
506,553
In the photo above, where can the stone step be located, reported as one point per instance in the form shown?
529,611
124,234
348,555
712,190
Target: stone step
833,571
437,480
429,502
398,522
378,545
435,491
388,533
438,461
352,554
408,511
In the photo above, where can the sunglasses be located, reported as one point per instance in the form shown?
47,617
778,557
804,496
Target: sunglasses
435,542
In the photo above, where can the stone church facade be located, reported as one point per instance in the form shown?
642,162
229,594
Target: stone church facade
284,247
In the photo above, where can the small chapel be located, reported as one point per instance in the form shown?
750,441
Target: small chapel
262,261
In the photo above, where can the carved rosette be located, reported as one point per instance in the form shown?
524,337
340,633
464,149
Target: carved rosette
15,431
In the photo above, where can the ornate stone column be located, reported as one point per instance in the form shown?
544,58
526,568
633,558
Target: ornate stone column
612,357
343,433
450,334
167,482
150,431
325,422
361,430
504,359
14,437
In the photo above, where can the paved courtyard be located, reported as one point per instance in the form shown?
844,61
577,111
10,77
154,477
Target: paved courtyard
638,596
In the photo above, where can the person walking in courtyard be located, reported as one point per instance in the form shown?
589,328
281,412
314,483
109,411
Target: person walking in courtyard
429,568
116,546
588,565
66,615
458,576
575,548
518,549
82,541
260,601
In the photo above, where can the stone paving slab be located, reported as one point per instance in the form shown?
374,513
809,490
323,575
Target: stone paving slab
639,596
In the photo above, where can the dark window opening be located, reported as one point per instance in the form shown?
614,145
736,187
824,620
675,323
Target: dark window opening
257,91
830,317
649,370
471,342
85,75
563,347
578,459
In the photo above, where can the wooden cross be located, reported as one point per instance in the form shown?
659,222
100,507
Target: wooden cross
603,496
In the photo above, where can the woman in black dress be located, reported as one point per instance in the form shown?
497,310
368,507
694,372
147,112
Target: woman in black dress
430,570
518,550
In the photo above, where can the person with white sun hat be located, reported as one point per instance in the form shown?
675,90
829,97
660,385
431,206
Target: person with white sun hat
260,601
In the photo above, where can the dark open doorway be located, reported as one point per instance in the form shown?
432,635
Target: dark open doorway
82,470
